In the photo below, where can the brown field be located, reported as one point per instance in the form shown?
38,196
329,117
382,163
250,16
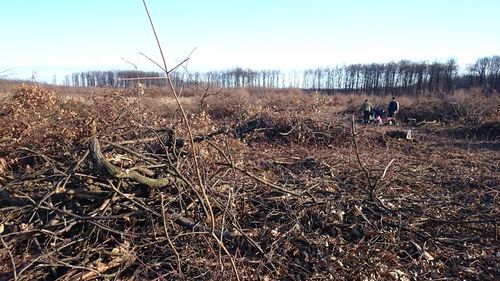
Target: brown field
272,185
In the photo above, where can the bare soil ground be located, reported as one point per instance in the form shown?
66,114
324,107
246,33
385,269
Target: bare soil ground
276,187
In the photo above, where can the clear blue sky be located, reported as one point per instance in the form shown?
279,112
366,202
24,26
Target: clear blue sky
61,36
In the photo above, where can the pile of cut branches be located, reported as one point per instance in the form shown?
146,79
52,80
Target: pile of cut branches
118,195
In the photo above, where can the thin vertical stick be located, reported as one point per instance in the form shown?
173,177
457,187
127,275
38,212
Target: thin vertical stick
371,185
208,206
156,36
356,151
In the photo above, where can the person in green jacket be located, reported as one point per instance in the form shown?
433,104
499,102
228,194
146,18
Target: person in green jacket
367,111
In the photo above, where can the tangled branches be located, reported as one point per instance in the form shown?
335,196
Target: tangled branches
123,201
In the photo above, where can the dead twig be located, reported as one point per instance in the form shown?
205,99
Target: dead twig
170,243
195,155
14,270
358,158
261,180
374,187
103,166
128,150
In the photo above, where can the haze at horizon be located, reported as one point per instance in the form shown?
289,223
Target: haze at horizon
59,37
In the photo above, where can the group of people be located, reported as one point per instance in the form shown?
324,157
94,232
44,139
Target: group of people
370,113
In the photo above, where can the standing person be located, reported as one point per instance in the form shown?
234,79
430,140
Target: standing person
367,111
393,108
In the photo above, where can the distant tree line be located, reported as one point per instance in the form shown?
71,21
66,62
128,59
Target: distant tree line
117,78
403,77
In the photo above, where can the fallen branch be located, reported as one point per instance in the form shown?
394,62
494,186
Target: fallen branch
104,167
423,123
263,181
138,155
11,256
374,186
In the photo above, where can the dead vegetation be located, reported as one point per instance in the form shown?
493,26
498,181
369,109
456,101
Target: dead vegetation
105,187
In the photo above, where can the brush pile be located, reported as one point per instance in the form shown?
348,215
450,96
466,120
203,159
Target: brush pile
107,189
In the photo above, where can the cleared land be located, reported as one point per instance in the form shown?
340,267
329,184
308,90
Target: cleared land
274,188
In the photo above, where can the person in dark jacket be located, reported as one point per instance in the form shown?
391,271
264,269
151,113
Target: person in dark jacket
393,108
